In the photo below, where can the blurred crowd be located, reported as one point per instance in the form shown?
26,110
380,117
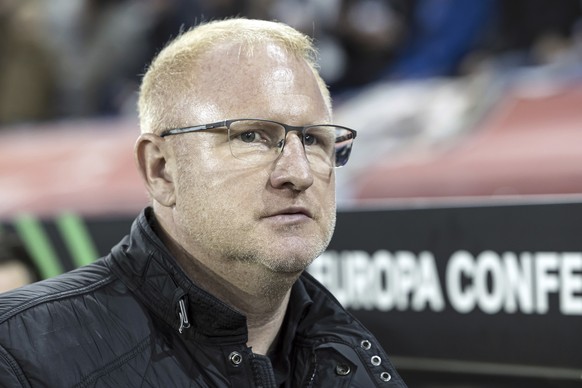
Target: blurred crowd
84,58
62,59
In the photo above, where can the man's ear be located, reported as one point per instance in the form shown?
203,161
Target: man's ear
152,158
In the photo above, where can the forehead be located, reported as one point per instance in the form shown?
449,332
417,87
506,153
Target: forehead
231,81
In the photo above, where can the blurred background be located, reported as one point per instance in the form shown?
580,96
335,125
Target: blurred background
469,121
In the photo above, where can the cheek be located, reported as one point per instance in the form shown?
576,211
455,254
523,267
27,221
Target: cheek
193,186
221,190
200,166
326,186
324,194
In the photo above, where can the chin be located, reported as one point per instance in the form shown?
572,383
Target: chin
289,262
290,268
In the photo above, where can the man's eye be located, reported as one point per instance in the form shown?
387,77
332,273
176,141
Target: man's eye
255,136
248,137
310,140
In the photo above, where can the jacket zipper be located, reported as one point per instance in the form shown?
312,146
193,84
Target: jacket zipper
312,371
184,323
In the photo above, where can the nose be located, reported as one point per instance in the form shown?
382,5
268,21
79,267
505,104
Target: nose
292,168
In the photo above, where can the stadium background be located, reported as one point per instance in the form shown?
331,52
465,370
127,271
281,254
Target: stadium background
469,116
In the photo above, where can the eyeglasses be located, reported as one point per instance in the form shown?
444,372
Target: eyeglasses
260,141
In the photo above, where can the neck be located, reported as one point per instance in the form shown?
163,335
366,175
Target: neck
261,295
252,289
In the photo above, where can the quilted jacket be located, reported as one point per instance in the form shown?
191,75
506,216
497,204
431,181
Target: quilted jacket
134,319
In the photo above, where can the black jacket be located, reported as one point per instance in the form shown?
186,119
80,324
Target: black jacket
134,319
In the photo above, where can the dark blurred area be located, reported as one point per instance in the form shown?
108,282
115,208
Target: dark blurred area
83,58
17,268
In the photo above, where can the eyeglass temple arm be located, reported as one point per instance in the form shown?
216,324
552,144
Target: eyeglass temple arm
345,137
177,131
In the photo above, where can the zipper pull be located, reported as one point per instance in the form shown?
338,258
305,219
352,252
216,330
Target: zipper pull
184,323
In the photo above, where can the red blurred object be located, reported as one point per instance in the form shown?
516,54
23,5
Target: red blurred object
86,167
525,146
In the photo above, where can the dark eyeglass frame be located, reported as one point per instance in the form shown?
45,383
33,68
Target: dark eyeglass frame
288,128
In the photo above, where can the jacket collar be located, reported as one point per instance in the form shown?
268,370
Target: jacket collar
148,269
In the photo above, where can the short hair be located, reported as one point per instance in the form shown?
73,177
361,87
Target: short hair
159,97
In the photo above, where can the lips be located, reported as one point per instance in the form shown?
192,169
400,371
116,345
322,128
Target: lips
290,211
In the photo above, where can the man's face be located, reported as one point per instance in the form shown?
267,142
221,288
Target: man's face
281,214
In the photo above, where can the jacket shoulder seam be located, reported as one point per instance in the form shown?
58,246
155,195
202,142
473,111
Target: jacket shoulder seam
52,297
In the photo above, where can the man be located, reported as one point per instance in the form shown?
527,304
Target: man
208,290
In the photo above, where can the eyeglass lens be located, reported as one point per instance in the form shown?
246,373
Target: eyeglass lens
261,141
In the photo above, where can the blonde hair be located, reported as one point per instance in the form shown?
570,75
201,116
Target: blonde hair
159,98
